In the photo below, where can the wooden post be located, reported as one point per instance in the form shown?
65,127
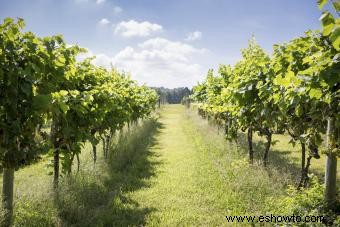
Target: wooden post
250,145
331,165
7,197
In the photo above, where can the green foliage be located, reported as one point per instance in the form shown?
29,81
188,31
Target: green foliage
330,24
322,3
21,71
41,80
308,202
28,213
292,90
336,5
295,90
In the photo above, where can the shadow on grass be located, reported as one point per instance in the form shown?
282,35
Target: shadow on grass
279,160
102,199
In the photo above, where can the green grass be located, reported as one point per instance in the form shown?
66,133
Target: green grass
185,190
202,178
96,196
283,156
177,170
284,151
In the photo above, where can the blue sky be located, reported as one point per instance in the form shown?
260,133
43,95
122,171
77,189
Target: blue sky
166,42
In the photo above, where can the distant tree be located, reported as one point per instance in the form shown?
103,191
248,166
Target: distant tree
172,96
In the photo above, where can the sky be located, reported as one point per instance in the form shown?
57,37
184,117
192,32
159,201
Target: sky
170,43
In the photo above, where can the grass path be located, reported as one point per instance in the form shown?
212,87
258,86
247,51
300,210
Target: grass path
186,189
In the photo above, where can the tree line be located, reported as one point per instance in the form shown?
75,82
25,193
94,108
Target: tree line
172,95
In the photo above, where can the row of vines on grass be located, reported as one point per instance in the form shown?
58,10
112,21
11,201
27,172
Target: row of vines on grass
41,82
294,91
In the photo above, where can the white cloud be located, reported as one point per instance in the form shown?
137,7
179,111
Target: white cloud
117,10
192,36
104,22
134,28
157,62
100,1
